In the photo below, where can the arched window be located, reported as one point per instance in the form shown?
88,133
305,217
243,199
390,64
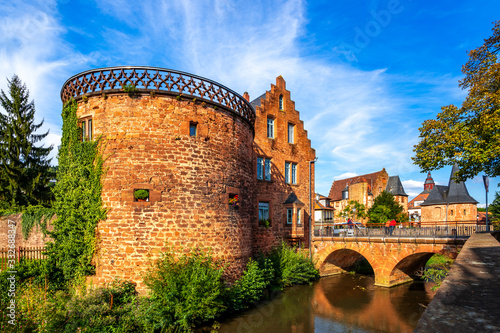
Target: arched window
281,103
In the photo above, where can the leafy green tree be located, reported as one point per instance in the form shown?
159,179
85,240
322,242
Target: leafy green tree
494,208
468,136
24,167
384,208
354,210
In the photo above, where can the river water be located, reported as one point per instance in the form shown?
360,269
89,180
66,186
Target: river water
341,303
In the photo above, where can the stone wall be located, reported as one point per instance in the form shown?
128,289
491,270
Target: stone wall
451,213
279,150
147,145
36,237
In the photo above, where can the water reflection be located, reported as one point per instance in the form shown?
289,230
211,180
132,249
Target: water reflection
342,303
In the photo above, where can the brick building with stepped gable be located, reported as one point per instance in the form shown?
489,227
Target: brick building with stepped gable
216,169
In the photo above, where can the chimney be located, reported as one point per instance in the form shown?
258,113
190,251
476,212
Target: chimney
246,96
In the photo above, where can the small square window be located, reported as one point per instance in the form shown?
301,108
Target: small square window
141,195
193,130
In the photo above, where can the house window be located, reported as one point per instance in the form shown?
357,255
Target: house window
281,103
291,128
86,127
290,173
451,212
289,216
193,129
465,212
299,221
263,168
270,128
263,211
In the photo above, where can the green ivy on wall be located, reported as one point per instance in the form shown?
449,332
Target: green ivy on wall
78,204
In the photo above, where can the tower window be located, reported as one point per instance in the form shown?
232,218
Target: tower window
281,103
193,130
86,128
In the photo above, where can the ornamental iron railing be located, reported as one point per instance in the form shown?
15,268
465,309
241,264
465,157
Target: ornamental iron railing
159,81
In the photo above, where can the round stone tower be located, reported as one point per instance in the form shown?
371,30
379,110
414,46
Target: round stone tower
186,141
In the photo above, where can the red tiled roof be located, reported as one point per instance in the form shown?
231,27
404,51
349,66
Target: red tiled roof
339,185
319,206
421,197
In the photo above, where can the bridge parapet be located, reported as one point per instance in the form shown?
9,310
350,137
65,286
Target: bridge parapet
454,230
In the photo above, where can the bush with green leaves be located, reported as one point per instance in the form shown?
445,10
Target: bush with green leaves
251,286
141,194
290,266
186,290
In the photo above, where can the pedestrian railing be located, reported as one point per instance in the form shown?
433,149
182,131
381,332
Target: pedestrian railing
421,230
18,254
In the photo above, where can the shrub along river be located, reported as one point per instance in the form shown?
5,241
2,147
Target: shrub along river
340,303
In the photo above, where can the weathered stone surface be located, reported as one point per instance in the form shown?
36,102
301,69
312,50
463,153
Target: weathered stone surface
394,261
468,300
147,145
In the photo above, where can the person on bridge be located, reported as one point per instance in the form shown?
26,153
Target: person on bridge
392,225
387,227
350,223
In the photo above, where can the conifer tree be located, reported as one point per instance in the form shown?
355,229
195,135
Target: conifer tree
24,166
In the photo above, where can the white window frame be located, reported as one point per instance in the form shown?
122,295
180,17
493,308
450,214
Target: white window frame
270,128
264,168
263,211
289,215
291,133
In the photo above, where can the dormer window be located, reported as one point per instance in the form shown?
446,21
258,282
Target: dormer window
281,106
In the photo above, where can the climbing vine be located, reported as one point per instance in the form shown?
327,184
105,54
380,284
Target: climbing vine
78,203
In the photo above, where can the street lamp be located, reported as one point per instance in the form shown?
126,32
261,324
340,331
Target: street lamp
486,181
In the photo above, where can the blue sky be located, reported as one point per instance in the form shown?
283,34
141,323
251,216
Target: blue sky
363,74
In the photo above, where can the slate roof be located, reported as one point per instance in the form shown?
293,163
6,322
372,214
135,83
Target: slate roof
339,185
292,199
455,192
395,187
256,102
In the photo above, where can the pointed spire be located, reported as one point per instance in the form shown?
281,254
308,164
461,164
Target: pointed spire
429,182
457,191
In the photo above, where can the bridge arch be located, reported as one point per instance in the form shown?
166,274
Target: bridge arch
393,263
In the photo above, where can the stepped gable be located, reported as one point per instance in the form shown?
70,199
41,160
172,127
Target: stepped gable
455,192
339,185
395,187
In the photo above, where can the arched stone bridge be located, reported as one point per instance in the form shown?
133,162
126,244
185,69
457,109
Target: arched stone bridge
394,260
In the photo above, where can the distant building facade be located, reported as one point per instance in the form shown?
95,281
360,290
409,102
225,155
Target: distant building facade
324,213
364,189
449,203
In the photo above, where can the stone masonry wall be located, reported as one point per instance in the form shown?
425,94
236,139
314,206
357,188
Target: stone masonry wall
147,145
279,150
437,213
36,237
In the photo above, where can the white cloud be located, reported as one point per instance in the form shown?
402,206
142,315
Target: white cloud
345,175
412,184
32,46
